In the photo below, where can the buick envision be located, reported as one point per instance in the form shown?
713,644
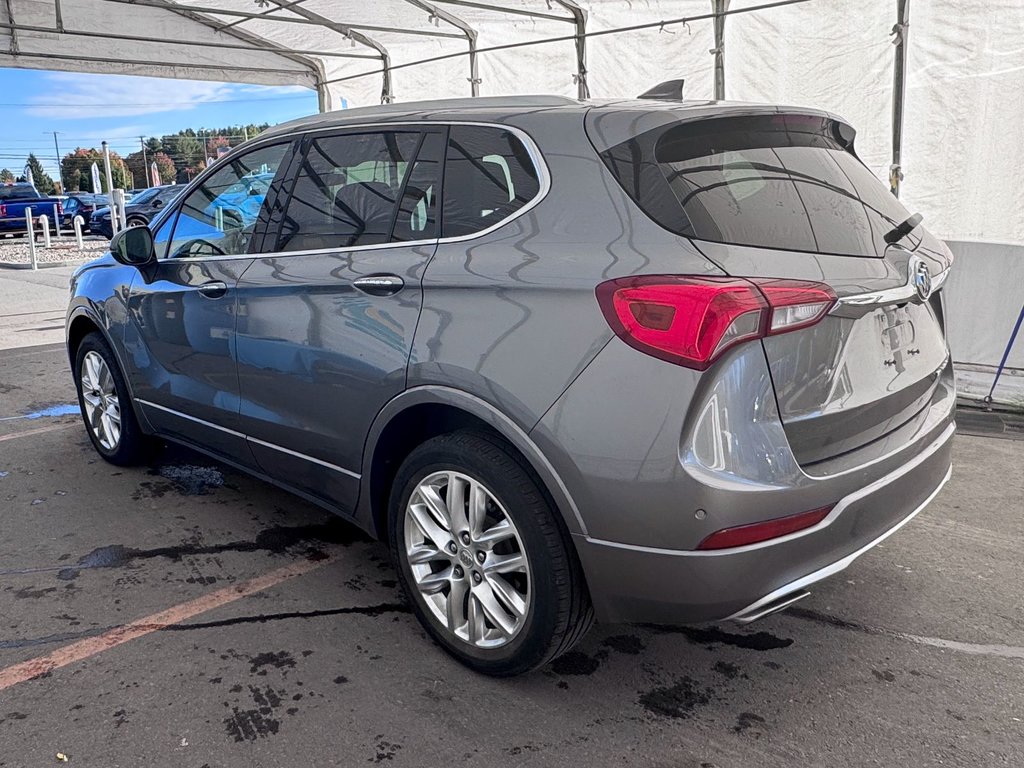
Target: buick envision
635,360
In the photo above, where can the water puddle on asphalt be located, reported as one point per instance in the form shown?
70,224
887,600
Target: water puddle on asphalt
53,411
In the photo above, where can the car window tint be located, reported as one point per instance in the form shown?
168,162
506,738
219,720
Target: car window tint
346,191
787,182
488,176
219,216
417,214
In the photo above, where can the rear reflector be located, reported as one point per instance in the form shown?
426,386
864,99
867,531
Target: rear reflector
690,321
742,535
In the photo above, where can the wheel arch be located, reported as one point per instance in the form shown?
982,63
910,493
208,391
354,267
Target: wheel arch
423,412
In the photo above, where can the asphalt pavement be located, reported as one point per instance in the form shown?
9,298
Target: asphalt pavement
184,614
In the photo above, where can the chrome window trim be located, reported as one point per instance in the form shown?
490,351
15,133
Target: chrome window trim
248,438
539,164
897,295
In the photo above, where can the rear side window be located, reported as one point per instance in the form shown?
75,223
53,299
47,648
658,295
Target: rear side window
772,181
488,176
347,190
18,192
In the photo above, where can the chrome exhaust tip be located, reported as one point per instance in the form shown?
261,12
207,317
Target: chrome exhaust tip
767,609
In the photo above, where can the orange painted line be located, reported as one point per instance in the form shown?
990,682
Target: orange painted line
83,649
41,430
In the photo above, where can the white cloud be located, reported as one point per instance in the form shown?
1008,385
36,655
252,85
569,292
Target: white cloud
80,96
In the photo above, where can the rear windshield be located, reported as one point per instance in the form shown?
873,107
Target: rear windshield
771,181
18,192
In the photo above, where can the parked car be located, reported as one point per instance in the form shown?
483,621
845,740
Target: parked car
81,204
642,361
15,198
140,209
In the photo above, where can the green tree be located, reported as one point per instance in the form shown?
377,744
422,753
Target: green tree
43,181
137,165
77,168
6,177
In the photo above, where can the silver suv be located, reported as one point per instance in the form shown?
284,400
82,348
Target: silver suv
640,361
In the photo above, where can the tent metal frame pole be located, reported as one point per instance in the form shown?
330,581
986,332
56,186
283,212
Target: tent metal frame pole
720,7
579,19
467,31
58,15
236,22
387,94
14,29
899,90
190,43
503,9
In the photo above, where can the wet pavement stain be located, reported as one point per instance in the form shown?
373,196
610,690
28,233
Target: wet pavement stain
278,660
67,574
628,644
730,671
275,540
386,750
28,593
575,663
676,701
757,641
885,676
257,723
747,720
191,479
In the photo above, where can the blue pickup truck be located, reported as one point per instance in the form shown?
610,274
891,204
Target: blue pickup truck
15,198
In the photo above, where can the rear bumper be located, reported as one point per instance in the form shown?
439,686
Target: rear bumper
632,583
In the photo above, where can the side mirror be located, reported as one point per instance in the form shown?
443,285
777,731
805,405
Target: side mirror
133,246
158,203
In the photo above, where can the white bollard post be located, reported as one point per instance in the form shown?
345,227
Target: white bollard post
31,238
118,198
44,224
56,222
78,223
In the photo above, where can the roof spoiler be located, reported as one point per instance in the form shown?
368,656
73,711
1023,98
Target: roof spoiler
670,90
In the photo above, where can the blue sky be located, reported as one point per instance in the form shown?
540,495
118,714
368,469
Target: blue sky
85,109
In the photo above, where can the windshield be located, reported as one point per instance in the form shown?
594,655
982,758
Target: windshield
772,181
146,195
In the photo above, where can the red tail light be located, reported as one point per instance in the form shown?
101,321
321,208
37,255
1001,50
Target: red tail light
3,209
60,208
690,321
742,535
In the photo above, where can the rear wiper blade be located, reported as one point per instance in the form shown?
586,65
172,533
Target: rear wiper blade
900,231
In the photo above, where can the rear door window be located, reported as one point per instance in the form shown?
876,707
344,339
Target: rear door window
774,181
488,176
347,190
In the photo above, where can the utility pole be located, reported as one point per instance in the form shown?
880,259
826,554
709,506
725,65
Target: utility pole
60,170
145,162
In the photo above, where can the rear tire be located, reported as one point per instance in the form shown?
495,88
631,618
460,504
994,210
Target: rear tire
106,405
493,578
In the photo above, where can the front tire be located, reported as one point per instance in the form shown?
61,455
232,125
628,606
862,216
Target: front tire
482,557
106,405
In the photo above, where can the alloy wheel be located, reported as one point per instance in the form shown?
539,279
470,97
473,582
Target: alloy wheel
467,559
102,407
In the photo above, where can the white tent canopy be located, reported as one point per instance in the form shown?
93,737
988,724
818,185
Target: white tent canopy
962,137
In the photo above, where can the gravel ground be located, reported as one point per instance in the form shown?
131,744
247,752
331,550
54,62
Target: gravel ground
15,250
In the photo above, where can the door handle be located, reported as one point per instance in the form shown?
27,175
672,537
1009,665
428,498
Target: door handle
213,290
379,285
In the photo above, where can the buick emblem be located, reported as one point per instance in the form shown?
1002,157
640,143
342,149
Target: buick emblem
921,278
